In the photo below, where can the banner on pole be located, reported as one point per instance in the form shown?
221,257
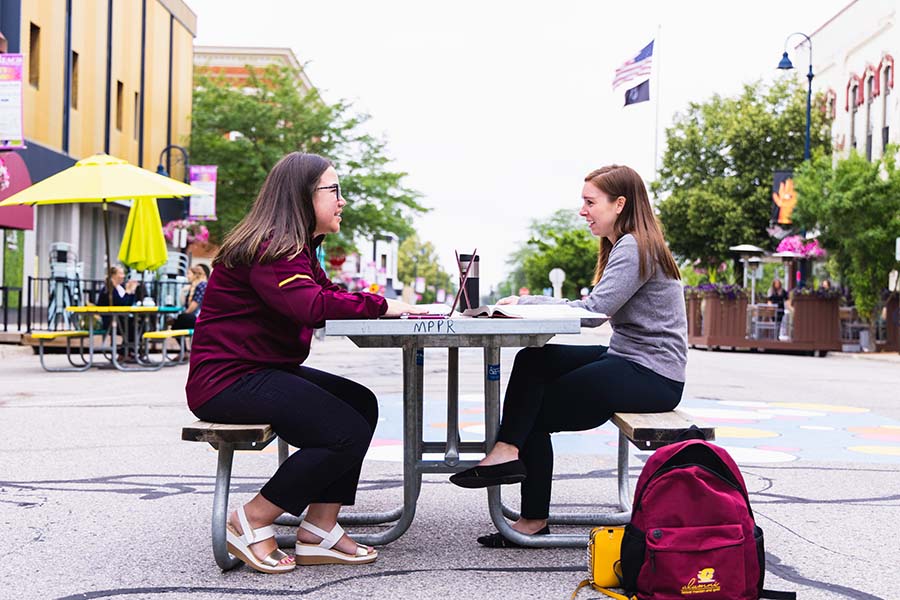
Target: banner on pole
12,136
203,207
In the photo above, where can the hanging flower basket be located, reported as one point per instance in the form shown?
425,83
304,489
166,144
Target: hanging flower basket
794,243
196,231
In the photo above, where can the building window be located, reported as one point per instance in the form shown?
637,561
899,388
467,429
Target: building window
34,56
137,113
870,84
885,117
74,80
120,103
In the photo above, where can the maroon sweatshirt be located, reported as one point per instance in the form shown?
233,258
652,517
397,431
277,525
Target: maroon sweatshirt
262,316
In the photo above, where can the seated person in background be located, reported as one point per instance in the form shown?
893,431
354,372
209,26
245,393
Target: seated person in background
574,388
194,298
123,294
825,285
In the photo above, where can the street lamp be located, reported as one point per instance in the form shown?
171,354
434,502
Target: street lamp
786,64
162,170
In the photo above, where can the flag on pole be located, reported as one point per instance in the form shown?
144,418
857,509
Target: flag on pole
639,93
637,68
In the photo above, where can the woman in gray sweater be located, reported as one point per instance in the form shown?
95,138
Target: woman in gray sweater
574,388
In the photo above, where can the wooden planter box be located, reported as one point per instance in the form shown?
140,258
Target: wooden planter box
892,309
816,321
715,321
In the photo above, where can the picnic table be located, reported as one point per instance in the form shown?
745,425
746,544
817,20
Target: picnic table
413,336
144,313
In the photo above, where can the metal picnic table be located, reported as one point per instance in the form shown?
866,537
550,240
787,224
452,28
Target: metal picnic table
491,334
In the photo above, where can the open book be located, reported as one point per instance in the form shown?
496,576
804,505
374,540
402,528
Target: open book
532,311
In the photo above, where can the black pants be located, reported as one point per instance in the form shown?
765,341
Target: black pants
571,388
329,418
184,321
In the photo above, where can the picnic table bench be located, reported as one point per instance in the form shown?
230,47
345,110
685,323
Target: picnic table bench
646,431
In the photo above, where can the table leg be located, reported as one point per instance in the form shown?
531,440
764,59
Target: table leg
451,455
412,450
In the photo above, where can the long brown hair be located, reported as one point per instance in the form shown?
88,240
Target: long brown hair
636,218
282,214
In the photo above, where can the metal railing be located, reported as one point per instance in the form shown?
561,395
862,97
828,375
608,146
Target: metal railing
48,297
5,292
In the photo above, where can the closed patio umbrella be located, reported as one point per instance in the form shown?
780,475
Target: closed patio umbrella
144,245
102,178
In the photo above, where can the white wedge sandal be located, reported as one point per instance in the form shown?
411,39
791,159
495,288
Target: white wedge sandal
324,553
239,546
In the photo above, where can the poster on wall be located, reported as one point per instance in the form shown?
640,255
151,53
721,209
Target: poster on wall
12,136
203,207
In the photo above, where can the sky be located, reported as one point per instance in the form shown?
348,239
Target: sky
498,109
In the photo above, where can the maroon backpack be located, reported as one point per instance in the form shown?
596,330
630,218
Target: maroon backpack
692,533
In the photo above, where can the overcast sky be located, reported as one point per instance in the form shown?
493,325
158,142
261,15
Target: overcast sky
498,109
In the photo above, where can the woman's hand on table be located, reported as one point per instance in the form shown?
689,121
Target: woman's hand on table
508,300
398,307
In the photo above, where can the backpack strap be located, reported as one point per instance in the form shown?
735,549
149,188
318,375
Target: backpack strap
691,433
777,595
602,590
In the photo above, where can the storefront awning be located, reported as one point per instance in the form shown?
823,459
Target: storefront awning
14,177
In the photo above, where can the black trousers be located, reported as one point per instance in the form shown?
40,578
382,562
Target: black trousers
330,419
571,388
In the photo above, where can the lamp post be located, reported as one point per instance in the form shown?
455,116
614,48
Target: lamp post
164,170
786,64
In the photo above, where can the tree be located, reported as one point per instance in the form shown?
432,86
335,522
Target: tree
716,172
246,130
855,204
561,240
418,259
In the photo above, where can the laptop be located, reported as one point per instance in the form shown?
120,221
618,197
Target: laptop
459,293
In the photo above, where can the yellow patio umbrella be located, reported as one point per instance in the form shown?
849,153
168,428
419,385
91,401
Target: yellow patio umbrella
102,178
144,245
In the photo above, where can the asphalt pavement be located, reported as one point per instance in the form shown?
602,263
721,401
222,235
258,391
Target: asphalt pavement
99,497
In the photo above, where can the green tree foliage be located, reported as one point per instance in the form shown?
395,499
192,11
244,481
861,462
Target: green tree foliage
716,173
560,240
856,206
273,117
419,259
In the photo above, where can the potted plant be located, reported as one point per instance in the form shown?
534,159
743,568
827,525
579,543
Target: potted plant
721,310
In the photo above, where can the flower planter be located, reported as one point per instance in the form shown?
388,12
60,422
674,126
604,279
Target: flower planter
816,320
714,320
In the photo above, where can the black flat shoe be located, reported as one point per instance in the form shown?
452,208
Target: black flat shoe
482,477
496,540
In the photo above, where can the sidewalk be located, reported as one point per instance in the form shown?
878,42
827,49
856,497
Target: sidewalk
99,498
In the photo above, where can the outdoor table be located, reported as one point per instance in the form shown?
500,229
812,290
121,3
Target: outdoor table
116,311
413,335
763,318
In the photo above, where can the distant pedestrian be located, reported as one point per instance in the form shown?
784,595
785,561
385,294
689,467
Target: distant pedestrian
777,296
266,295
193,298
574,388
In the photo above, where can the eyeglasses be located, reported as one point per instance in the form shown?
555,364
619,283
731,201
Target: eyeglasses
334,187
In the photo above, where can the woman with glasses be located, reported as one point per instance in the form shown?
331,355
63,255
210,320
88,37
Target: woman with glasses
574,388
264,298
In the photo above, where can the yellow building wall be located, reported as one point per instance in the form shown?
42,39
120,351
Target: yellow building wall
43,110
89,41
43,105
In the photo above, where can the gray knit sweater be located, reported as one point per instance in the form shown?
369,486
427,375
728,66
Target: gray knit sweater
647,315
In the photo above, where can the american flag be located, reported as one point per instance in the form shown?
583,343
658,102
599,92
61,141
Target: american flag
635,68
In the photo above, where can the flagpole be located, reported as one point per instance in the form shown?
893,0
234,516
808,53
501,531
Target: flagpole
657,67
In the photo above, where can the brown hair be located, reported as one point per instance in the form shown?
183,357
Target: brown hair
636,218
282,215
198,271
